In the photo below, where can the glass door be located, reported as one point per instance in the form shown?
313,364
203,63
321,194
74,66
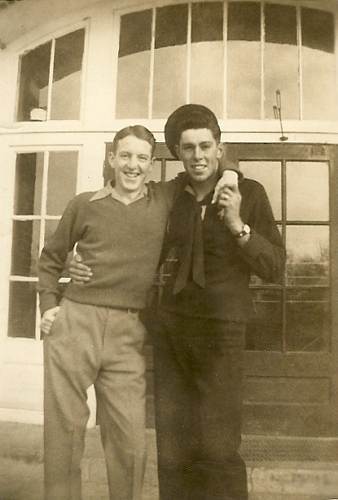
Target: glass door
291,340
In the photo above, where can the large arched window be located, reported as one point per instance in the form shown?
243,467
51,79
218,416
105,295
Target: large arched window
229,55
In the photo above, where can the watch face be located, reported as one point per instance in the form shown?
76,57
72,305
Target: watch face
246,230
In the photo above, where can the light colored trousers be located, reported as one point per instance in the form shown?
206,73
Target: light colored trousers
101,346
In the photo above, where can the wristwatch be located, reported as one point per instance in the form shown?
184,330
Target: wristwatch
245,230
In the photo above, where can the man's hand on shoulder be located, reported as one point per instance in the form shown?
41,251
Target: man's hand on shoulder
48,318
78,271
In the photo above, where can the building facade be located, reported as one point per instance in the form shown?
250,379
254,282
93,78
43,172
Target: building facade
74,72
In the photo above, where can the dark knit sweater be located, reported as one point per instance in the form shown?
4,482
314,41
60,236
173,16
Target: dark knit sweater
121,243
226,295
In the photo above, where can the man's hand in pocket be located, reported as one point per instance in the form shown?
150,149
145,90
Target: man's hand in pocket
48,318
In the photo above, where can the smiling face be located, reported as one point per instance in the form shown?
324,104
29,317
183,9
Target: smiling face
132,162
199,152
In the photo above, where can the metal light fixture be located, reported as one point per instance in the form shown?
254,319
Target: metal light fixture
277,110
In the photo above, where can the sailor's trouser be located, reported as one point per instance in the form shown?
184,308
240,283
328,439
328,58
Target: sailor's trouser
198,407
101,346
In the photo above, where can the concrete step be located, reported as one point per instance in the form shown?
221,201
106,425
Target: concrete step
276,475
24,481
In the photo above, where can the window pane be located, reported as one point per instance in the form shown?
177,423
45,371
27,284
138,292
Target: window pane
135,33
243,79
25,247
207,54
61,187
243,53
170,61
28,184
208,57
307,319
318,65
169,80
280,24
207,22
281,60
66,90
133,85
264,331
319,73
34,75
308,255
244,20
307,191
134,65
22,306
171,26
267,173
317,29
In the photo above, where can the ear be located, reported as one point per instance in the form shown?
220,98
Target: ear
111,158
220,150
177,149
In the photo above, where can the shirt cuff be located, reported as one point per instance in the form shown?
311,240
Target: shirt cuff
48,302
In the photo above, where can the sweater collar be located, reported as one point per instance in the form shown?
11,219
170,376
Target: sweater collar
108,190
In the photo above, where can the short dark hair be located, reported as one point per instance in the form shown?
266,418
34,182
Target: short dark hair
138,131
197,122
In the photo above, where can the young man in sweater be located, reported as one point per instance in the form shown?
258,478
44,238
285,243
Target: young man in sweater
95,336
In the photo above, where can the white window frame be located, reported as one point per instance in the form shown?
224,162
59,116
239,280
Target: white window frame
51,37
43,217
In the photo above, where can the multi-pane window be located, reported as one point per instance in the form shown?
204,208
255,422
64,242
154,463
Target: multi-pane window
230,56
50,79
294,316
44,183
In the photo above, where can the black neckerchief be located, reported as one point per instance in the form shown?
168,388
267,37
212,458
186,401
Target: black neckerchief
186,233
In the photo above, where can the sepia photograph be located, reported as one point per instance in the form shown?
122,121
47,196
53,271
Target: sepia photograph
169,250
